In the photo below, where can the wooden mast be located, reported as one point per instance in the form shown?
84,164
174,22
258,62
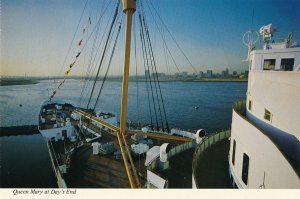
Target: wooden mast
129,7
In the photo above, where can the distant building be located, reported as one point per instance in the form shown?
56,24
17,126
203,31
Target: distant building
209,73
161,74
225,73
234,73
184,74
201,74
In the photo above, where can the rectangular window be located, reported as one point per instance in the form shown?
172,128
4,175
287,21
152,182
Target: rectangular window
245,168
287,64
250,64
250,105
269,64
233,152
267,115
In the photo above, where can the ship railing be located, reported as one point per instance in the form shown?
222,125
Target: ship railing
55,165
240,107
206,143
180,148
290,40
155,164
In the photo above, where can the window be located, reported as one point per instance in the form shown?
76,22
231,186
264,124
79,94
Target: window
267,115
233,152
287,64
250,64
250,105
269,64
245,168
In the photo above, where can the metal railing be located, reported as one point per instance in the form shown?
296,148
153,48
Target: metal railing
205,144
240,107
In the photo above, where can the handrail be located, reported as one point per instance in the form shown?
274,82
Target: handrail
161,136
206,143
98,120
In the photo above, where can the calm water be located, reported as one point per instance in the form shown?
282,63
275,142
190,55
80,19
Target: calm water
24,160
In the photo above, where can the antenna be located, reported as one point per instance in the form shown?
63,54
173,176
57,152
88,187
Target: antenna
249,39
267,33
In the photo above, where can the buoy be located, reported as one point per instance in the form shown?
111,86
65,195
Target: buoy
196,107
20,105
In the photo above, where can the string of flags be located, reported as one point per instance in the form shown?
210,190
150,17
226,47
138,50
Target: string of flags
84,30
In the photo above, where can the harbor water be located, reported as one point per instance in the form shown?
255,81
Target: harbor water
24,160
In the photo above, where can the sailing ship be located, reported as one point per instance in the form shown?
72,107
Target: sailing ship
89,149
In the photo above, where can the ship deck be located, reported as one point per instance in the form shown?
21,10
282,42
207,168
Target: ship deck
95,171
181,165
212,169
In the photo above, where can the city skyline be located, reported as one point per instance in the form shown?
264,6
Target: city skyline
36,35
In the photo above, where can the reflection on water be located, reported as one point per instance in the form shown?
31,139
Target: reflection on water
25,162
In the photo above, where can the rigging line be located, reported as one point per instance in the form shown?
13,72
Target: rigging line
136,71
109,34
148,69
147,86
97,24
165,43
97,60
71,44
90,61
89,73
94,28
153,65
108,67
109,43
172,36
155,75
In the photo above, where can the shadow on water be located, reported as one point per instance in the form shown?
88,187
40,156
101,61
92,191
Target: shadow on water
25,162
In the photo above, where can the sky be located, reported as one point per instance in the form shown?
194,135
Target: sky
36,34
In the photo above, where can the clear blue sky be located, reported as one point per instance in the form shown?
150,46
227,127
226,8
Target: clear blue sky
36,34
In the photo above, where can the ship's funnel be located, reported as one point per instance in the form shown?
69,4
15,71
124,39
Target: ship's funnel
129,5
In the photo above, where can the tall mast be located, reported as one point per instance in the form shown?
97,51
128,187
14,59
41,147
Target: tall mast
129,7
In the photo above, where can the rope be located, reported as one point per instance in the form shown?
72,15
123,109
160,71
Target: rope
71,44
106,43
148,69
108,66
92,62
155,75
172,36
136,73
147,86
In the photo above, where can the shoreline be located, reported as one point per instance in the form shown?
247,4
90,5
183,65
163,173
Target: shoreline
14,82
19,130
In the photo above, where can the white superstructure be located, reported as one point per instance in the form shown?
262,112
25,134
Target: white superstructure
265,147
55,122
